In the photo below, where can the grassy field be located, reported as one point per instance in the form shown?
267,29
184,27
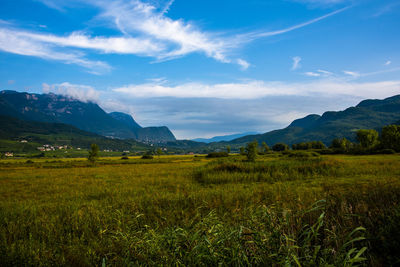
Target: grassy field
186,210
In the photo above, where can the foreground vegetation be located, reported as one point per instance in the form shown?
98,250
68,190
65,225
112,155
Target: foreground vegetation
295,209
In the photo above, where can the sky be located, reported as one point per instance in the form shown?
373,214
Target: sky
204,67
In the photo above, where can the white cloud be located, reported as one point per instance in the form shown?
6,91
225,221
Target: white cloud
296,63
82,93
260,34
325,72
155,35
260,89
387,63
22,44
352,73
167,7
243,63
312,74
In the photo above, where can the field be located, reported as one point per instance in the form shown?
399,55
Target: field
301,210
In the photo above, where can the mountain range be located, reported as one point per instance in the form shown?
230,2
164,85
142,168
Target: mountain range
368,114
87,116
45,118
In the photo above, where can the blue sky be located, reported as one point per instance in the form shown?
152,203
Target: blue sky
204,68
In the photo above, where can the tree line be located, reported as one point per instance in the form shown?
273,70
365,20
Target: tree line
369,141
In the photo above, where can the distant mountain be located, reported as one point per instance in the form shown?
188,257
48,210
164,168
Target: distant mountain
13,130
368,114
148,134
85,116
223,137
126,119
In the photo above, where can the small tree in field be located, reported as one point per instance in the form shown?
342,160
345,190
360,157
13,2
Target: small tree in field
242,151
159,152
251,151
266,147
228,149
93,153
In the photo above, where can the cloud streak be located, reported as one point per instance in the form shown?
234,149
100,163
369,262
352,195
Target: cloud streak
260,89
146,31
22,44
296,63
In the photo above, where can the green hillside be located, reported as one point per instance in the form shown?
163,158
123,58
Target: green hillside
369,114
14,130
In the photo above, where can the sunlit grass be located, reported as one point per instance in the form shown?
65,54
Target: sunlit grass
187,210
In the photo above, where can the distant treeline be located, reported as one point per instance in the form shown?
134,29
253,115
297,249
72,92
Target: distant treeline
369,141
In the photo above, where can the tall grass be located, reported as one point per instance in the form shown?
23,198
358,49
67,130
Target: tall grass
336,210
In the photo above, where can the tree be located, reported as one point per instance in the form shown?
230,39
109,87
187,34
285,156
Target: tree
341,144
159,152
390,137
228,149
280,147
93,153
265,146
368,138
251,150
242,151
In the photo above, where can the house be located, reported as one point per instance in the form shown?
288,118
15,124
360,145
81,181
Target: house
9,154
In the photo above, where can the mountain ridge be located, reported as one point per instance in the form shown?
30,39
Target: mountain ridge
87,116
368,114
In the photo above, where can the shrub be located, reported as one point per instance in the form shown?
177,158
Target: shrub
303,154
124,157
93,153
251,151
280,147
147,156
386,151
217,155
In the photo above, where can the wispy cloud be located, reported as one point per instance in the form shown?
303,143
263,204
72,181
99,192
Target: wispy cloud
312,74
325,72
259,89
167,7
296,63
388,7
243,63
22,44
80,92
387,63
352,73
155,35
260,34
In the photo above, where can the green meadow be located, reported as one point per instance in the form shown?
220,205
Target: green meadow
293,210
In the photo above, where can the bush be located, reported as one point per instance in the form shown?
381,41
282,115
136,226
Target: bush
386,151
280,147
124,157
29,161
251,151
303,154
147,156
217,155
326,151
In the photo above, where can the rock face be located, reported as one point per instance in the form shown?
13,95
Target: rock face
87,116
368,114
